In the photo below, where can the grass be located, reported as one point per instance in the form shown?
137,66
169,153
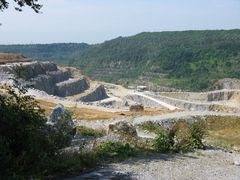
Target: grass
70,164
90,132
114,150
94,114
224,131
151,127
226,138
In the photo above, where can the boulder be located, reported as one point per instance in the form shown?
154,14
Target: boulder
97,94
59,115
71,87
236,159
136,108
122,128
60,124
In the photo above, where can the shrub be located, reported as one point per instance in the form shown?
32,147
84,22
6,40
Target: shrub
25,147
198,130
70,163
182,137
163,142
151,127
114,150
84,131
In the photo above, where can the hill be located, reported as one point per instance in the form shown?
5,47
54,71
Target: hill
58,52
189,59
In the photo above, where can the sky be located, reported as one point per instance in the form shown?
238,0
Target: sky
95,21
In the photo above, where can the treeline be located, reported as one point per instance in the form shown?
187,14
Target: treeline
189,59
58,52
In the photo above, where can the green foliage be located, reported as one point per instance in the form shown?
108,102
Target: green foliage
114,150
25,146
20,4
84,131
182,137
151,127
188,59
163,142
68,163
198,131
62,53
62,134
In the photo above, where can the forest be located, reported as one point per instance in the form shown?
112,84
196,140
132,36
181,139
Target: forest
191,60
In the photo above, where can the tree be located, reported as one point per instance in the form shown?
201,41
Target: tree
4,4
25,145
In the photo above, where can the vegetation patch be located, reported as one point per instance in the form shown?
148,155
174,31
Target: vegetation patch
114,150
84,131
151,127
224,131
189,59
182,137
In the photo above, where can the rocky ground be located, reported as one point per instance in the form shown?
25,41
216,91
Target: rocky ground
201,165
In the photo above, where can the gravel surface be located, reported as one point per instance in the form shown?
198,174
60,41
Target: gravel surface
201,165
103,124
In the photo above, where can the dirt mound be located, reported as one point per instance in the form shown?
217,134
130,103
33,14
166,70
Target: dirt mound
12,58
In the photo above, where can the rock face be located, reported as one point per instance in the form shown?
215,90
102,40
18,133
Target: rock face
220,96
227,83
183,104
71,87
47,76
97,94
146,102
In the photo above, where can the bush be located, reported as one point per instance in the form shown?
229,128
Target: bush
84,131
198,130
114,150
68,163
25,147
151,127
183,137
163,142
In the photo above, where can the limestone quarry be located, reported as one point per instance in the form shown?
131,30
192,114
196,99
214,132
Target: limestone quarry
101,105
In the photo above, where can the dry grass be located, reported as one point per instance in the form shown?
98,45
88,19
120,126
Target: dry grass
94,114
224,131
12,58
223,108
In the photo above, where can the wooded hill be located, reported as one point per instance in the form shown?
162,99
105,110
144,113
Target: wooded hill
188,59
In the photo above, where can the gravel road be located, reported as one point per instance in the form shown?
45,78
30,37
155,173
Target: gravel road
103,124
201,165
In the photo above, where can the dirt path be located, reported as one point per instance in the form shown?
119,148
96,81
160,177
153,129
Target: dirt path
103,124
201,165
168,106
